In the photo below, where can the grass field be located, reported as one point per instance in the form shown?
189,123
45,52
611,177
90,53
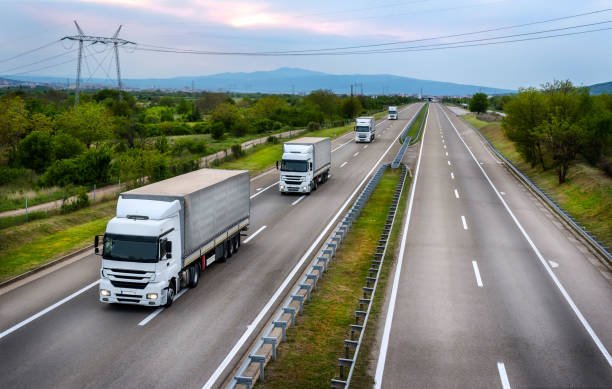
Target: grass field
412,132
309,357
30,245
587,194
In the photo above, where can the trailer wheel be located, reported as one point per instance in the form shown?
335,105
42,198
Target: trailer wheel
236,242
194,275
230,248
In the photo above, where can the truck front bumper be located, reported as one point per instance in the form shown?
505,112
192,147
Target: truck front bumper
154,294
291,188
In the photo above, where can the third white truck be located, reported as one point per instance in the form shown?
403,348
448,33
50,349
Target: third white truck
305,164
365,129
392,113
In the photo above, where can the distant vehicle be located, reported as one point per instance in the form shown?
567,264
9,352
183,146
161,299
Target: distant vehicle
305,164
393,113
365,130
165,233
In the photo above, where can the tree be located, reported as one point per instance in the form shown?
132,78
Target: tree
209,101
183,107
34,151
351,107
226,114
326,102
41,122
14,121
479,103
561,138
64,146
88,122
525,112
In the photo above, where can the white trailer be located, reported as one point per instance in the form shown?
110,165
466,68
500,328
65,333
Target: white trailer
305,164
165,233
393,113
365,129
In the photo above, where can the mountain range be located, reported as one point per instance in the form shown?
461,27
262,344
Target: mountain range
296,80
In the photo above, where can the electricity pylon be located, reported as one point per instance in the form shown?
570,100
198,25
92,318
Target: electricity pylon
114,40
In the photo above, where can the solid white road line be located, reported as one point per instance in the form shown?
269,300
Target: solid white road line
159,310
47,310
263,190
260,316
298,200
356,154
547,267
465,227
342,145
343,164
253,235
456,193
452,176
501,368
477,273
382,355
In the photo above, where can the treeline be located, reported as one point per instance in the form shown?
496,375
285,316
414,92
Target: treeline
111,136
557,125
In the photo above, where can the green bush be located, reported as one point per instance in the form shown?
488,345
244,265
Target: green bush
272,140
73,204
193,146
217,130
91,167
237,150
10,175
201,128
313,126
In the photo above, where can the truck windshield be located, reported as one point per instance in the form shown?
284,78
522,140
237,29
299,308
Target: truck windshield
288,165
362,129
393,112
130,248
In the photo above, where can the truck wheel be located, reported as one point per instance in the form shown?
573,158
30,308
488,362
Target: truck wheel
194,275
169,296
230,248
236,242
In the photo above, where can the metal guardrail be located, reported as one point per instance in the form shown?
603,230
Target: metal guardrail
421,126
362,314
406,140
264,349
578,228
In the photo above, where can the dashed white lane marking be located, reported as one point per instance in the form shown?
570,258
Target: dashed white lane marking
477,274
47,310
263,190
452,176
298,200
553,264
503,376
258,189
446,154
365,147
356,154
456,193
502,193
343,164
448,163
159,310
254,234
342,145
465,227
445,146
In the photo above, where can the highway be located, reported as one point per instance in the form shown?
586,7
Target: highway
490,290
55,333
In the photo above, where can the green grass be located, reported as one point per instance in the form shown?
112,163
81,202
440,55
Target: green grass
31,245
12,197
587,194
412,132
309,357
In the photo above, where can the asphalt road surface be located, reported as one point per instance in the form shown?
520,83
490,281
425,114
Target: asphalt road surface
479,302
55,334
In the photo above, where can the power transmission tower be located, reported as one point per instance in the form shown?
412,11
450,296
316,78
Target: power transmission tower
114,40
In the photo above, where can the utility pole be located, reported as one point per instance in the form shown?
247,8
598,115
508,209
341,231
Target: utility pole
114,40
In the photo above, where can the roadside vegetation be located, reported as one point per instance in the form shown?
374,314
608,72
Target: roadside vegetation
561,137
51,149
414,128
309,357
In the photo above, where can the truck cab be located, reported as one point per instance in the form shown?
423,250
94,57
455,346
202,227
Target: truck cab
305,164
141,253
365,130
393,113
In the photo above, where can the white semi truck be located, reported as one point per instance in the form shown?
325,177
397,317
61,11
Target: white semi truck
365,129
305,164
392,113
165,233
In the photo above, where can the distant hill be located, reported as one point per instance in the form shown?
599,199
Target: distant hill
604,87
295,80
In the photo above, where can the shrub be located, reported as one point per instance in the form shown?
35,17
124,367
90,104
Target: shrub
201,128
193,146
73,204
237,150
9,174
217,130
313,126
272,140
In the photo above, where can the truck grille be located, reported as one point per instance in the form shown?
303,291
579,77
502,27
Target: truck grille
129,285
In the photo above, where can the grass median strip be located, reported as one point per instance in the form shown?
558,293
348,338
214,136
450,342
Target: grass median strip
586,195
309,357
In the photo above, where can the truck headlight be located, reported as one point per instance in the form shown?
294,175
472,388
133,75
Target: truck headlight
104,292
152,296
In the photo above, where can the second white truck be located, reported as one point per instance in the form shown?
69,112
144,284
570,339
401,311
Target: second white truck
365,129
165,233
393,113
305,164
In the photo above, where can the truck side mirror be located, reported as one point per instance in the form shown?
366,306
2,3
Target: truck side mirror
168,248
96,243
276,165
310,165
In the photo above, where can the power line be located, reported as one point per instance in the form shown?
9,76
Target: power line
39,61
341,52
29,51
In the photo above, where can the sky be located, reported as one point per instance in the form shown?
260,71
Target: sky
266,25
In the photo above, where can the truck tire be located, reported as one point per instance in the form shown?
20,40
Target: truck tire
194,275
230,248
169,295
236,242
